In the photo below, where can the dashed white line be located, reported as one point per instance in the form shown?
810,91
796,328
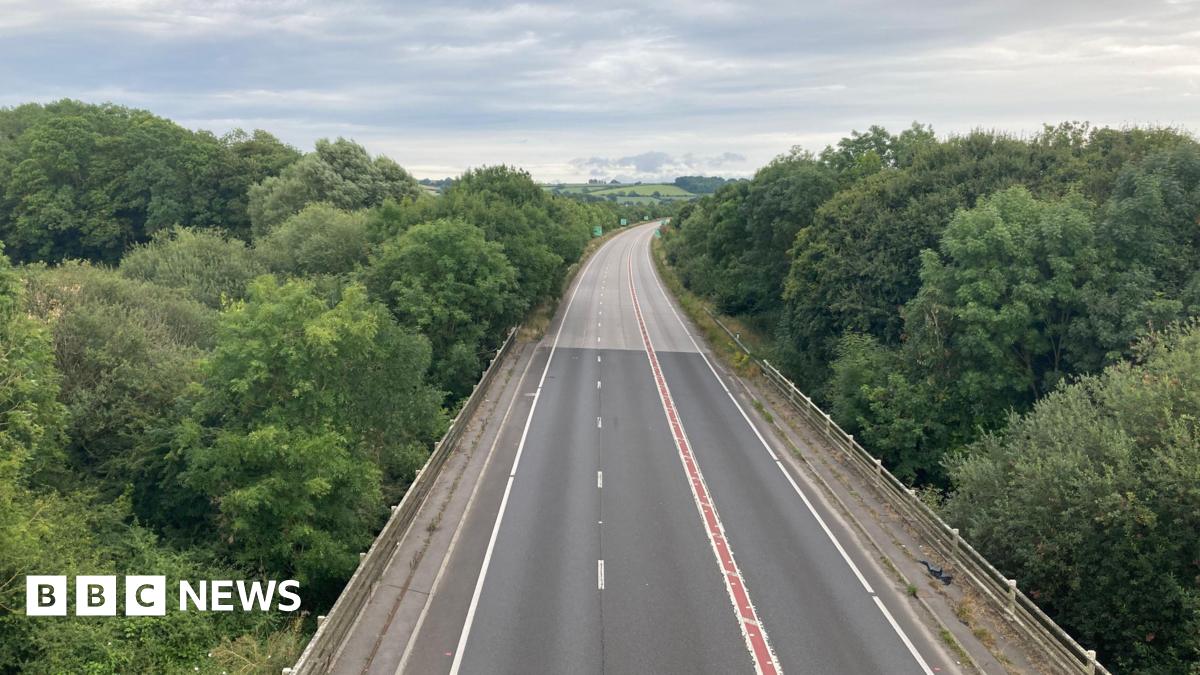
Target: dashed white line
599,479
456,665
600,574
597,384
599,423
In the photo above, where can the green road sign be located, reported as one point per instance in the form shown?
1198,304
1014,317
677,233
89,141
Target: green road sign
624,221
597,231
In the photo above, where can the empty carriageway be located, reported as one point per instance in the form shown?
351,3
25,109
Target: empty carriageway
633,518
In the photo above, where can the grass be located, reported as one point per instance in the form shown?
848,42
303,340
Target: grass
766,414
626,194
948,638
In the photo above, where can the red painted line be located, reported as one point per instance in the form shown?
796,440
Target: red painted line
752,630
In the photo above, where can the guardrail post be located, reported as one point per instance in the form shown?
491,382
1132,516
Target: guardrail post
1012,597
878,468
957,539
1091,664
828,424
320,619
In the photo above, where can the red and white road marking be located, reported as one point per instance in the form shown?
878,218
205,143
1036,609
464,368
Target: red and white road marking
752,629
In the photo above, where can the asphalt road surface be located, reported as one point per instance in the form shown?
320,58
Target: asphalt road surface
635,519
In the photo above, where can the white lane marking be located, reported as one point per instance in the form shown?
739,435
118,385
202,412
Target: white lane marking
600,574
597,384
753,632
491,547
599,479
820,521
597,358
903,638
437,580
599,423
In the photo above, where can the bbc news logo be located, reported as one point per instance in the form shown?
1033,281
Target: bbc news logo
96,595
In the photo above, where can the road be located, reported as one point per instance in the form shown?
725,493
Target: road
635,518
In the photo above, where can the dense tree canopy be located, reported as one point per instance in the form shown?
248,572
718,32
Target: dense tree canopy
206,265
87,181
339,173
447,280
1091,500
306,409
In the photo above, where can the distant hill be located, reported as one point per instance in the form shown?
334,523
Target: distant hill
623,193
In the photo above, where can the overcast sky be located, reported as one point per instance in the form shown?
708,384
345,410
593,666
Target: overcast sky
608,88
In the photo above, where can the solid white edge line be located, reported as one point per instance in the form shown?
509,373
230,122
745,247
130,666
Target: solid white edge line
821,521
903,637
437,580
487,556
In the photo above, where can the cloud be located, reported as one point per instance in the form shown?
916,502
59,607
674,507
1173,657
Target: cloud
453,84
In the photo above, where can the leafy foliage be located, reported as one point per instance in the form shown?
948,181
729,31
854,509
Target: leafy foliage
87,181
207,266
700,185
339,173
447,280
1086,499
320,240
305,409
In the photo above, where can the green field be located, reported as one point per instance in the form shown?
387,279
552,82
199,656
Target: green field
643,193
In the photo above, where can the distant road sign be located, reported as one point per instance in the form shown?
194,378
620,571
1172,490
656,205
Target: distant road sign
597,231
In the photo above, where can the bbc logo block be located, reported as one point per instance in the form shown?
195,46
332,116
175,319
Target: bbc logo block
95,595
146,595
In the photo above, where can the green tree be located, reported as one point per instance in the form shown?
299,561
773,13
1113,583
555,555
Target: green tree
31,418
204,264
306,410
87,181
445,279
339,173
1090,500
995,325
1001,301
128,351
320,240
1147,236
